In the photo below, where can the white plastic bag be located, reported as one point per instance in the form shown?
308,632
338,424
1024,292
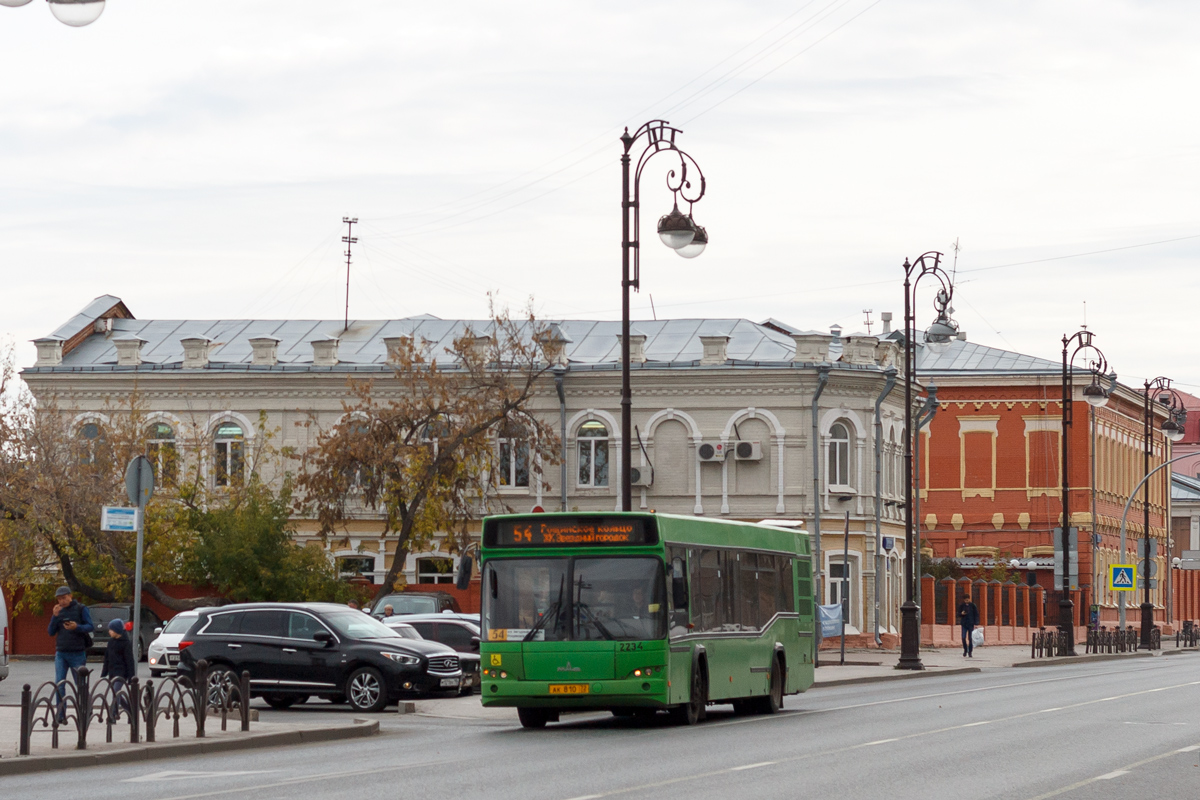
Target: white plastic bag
977,637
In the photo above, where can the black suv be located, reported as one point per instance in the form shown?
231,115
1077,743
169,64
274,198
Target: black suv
296,650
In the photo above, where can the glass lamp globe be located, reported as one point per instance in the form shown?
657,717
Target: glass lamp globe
1095,395
77,13
676,229
15,3
936,342
1172,430
696,246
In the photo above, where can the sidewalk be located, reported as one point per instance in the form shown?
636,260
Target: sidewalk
261,734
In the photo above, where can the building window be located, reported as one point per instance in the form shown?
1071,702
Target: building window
228,454
357,474
514,456
839,455
355,566
593,454
90,436
160,449
435,570
836,584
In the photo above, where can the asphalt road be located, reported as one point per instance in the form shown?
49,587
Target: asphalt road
1102,730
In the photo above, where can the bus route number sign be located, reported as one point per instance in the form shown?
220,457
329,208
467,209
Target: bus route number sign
583,531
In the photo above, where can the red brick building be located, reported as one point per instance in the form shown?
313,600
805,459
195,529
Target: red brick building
991,480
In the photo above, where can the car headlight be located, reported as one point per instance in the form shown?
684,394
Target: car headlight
400,658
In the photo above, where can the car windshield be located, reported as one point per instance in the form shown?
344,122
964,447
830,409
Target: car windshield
180,623
357,625
408,604
407,631
576,599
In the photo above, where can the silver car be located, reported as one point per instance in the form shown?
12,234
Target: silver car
163,653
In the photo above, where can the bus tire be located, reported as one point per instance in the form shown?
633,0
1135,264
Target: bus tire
694,711
773,701
533,717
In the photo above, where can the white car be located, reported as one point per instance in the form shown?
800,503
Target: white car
163,653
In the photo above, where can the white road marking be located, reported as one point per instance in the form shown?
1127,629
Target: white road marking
587,797
752,766
1116,773
181,775
880,741
1191,749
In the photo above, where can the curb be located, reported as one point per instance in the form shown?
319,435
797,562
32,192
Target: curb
22,765
900,676
1049,662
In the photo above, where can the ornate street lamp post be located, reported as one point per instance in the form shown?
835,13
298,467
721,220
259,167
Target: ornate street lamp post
1096,396
1172,427
677,230
937,338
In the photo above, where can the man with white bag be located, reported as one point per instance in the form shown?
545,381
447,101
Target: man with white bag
968,618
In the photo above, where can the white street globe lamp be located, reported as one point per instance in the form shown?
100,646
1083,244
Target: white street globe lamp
1172,430
696,246
676,229
15,3
77,13
1095,395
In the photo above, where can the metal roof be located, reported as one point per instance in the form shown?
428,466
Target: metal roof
586,341
1184,488
961,356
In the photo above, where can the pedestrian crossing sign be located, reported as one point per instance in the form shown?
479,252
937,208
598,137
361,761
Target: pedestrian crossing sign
1122,577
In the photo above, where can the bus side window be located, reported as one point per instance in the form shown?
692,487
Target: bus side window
679,587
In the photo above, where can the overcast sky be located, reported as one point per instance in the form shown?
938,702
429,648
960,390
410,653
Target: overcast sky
196,159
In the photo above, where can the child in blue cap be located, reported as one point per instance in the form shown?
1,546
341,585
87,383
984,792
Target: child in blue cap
119,663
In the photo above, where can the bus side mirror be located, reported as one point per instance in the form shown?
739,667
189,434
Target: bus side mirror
679,589
463,579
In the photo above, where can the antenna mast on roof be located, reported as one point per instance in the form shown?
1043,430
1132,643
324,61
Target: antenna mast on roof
868,311
350,242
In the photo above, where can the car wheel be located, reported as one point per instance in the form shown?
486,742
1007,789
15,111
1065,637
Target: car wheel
693,711
221,680
281,701
366,690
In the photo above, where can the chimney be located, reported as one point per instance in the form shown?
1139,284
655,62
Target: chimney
554,345
129,351
325,352
961,336
637,348
860,349
49,351
715,348
478,347
886,316
398,348
887,353
266,351
810,348
195,352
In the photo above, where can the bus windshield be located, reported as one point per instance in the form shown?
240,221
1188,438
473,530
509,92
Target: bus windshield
574,599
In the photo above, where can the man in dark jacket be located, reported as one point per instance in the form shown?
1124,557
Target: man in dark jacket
71,626
968,618
119,663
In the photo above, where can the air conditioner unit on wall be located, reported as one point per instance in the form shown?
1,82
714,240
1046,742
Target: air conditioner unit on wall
712,452
747,451
641,476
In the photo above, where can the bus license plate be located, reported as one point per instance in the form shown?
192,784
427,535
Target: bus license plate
569,688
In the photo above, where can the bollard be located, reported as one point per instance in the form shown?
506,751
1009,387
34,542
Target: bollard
26,719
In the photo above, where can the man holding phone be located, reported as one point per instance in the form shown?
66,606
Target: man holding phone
71,626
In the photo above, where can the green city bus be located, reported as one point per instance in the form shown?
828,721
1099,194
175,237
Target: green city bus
637,613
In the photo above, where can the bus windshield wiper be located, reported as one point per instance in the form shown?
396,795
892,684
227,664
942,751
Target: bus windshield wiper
582,608
553,609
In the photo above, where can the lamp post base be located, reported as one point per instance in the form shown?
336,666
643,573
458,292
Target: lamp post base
1066,623
910,636
1146,641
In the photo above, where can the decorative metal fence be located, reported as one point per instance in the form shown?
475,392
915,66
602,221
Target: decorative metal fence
1189,635
79,705
1103,640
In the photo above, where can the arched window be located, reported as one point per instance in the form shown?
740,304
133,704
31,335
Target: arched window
357,473
160,449
894,467
513,455
228,454
90,436
593,454
839,455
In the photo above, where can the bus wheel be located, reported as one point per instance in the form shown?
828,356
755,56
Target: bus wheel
693,711
533,717
774,699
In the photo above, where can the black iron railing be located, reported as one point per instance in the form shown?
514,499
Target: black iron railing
78,703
